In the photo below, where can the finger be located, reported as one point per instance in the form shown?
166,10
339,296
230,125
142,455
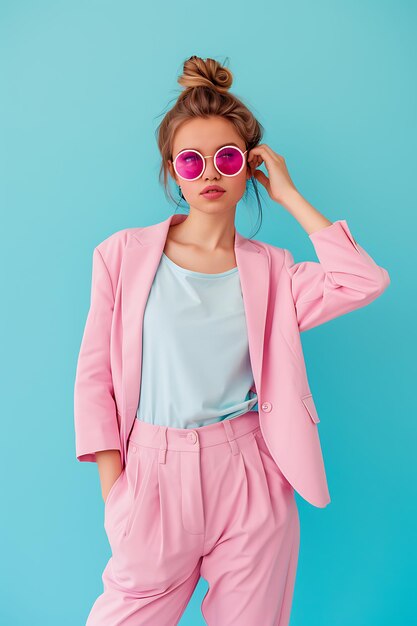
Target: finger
263,150
255,160
271,152
260,176
259,155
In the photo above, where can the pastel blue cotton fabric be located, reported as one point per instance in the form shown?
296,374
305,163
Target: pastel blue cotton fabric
196,368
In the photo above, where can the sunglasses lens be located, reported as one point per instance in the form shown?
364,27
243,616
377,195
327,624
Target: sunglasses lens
189,164
229,161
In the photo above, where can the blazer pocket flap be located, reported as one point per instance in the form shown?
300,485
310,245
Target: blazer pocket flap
311,407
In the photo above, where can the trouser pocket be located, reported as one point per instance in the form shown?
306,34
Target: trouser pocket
119,504
113,489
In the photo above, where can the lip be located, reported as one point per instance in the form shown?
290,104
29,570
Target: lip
213,195
214,187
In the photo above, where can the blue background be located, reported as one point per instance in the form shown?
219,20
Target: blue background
84,85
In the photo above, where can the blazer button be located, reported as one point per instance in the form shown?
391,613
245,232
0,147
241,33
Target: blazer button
266,406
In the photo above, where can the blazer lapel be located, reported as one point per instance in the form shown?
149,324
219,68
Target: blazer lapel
139,265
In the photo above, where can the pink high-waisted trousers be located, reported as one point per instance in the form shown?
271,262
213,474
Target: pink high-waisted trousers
208,501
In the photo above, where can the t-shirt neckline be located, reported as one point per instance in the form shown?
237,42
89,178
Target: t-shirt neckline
184,270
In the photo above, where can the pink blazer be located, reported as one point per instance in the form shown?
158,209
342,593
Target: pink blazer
281,300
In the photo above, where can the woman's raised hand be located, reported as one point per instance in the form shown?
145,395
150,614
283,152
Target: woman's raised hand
279,184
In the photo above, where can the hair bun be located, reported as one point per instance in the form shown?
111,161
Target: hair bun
198,72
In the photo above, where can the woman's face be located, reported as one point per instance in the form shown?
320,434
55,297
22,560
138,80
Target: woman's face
207,136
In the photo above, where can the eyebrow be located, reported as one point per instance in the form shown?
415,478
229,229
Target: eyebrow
230,143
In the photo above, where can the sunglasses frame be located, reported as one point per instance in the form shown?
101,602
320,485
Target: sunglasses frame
207,157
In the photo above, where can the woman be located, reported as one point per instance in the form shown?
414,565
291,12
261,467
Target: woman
191,392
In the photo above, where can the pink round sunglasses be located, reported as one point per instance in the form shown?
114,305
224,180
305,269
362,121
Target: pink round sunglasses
190,164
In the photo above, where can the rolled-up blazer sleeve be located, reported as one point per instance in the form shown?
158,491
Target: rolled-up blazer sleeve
95,416
346,277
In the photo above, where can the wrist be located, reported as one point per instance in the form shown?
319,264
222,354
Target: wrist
290,198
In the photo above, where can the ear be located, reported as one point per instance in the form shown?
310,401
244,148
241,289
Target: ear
172,171
248,172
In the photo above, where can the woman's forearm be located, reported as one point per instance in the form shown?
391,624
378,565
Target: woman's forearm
305,213
109,467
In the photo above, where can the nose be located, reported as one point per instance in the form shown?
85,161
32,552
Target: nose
210,171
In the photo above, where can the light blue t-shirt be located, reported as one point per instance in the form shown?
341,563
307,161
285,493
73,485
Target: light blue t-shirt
195,362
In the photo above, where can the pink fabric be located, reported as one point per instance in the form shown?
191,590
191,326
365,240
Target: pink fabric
281,299
209,502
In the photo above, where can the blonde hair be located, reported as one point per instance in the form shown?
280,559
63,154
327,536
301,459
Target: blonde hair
206,93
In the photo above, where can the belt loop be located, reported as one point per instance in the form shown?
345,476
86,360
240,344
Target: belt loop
163,446
230,436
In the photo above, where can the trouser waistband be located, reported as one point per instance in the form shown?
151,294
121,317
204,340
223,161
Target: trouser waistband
191,440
